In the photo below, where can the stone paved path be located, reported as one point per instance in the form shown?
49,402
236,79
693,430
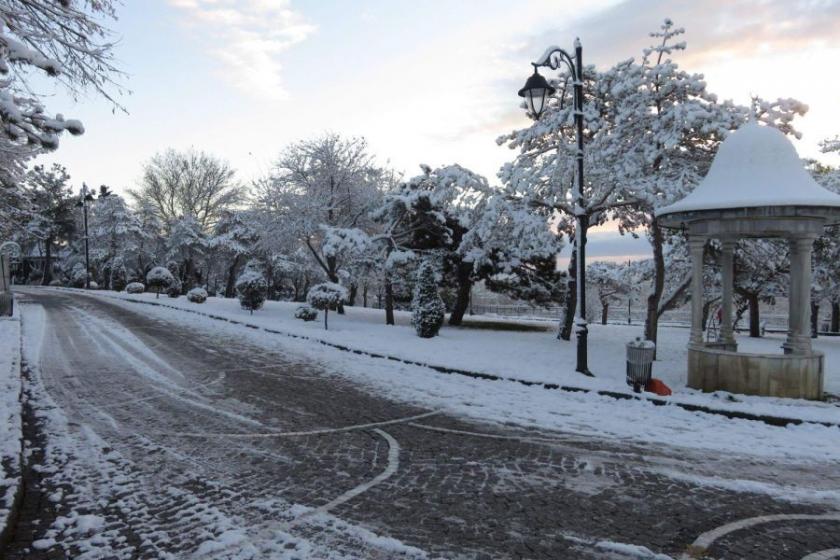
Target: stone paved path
175,437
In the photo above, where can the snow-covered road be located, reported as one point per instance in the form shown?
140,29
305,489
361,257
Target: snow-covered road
153,439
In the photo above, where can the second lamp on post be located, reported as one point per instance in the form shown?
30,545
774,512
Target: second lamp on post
536,92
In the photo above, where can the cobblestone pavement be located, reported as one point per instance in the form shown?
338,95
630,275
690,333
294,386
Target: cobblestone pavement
176,438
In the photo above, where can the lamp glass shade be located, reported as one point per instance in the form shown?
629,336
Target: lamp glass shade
536,92
536,101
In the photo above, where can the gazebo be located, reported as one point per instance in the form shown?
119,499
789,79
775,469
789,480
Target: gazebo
756,187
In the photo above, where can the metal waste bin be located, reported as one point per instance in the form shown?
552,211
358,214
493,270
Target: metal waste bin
639,363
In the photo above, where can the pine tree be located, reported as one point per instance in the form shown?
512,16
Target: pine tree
427,306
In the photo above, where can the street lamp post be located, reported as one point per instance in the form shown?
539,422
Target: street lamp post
536,92
84,198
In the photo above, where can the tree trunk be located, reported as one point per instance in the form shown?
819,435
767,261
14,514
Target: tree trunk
47,277
815,319
230,285
462,301
351,295
652,318
835,317
605,310
326,313
189,275
755,317
364,294
571,299
389,302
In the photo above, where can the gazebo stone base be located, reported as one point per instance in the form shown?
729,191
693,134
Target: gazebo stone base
798,376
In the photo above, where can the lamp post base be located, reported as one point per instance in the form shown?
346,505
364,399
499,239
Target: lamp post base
582,357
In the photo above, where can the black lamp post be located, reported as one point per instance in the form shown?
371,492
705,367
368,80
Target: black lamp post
84,197
536,92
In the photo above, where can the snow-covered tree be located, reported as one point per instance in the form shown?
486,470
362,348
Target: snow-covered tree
514,252
542,177
669,126
326,296
826,276
151,246
118,275
321,186
251,289
234,240
608,280
429,215
427,308
64,41
185,244
159,278
52,219
78,275
762,269
114,234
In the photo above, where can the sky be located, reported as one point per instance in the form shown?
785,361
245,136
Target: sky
431,81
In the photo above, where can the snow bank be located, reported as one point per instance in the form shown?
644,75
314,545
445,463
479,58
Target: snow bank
533,356
10,416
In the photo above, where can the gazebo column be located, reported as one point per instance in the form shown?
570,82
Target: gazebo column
799,297
727,279
696,246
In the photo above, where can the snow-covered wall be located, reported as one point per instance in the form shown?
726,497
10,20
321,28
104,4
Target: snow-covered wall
10,418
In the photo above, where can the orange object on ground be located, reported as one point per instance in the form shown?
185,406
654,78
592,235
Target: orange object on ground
658,387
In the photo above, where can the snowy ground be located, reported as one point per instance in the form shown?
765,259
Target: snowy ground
530,355
10,413
175,434
581,413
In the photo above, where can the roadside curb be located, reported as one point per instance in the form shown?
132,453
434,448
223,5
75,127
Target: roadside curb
12,514
777,421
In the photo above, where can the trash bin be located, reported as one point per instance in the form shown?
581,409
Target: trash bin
639,363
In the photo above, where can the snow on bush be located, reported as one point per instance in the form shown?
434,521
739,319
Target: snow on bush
159,278
250,289
55,282
197,295
326,296
427,307
306,313
135,288
94,285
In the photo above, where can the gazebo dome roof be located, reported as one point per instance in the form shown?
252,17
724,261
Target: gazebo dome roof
756,166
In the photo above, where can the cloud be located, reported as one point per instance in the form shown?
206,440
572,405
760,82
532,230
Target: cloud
714,28
247,37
